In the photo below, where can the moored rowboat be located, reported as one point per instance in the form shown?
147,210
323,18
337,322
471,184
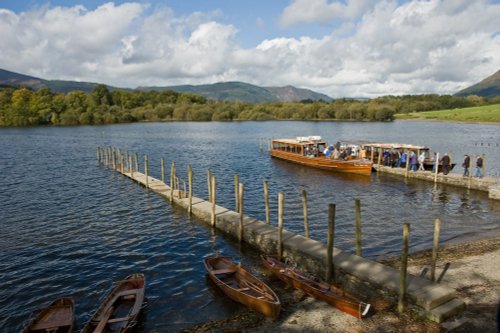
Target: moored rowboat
316,288
120,309
58,317
242,287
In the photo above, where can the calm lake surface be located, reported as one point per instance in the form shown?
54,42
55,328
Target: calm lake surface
70,226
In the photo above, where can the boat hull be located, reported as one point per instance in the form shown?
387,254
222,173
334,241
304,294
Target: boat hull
58,317
316,288
242,287
357,166
120,309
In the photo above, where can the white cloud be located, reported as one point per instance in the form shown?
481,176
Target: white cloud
309,11
386,48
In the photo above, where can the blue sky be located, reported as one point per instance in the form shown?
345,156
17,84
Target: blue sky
341,48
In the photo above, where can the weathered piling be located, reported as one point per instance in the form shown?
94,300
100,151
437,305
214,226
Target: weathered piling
212,220
236,182
162,170
403,269
379,158
281,204
435,248
436,168
190,180
266,202
172,181
209,177
407,169
146,170
240,206
329,242
136,157
130,167
357,206
304,207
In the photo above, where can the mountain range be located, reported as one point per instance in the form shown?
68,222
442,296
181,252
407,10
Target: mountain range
489,87
222,91
225,91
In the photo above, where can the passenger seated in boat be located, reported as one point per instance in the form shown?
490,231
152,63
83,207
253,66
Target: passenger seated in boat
343,155
335,154
327,152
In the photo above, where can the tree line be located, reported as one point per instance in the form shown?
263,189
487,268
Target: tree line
25,107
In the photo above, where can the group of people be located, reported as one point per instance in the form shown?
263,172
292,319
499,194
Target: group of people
479,166
338,152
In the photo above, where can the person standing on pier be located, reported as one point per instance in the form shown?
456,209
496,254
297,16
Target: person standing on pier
446,164
479,166
421,160
466,165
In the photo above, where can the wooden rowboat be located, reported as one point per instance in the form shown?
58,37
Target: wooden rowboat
58,317
242,287
316,288
309,151
120,309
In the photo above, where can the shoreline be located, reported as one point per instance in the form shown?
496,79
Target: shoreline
467,266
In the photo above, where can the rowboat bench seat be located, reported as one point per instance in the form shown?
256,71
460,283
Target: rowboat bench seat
243,289
223,271
63,318
117,320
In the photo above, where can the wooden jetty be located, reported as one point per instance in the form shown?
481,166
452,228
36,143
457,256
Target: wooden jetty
357,275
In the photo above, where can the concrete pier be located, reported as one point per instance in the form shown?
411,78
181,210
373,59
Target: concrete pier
488,184
357,275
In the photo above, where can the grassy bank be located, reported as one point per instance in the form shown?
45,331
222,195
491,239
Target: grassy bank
487,114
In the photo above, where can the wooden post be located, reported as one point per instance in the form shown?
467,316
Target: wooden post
126,159
407,163
236,182
357,205
379,158
281,204
146,170
372,153
190,180
329,242
113,156
435,248
470,173
304,206
163,170
266,202
131,168
172,181
99,154
403,271
212,220
136,162
121,163
437,168
240,206
483,168
209,177
106,157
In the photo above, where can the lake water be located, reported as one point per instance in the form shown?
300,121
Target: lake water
70,226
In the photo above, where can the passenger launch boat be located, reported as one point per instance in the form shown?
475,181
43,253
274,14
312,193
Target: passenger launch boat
316,288
242,287
314,152
120,309
58,317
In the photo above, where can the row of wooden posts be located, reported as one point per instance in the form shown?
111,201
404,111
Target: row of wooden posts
115,158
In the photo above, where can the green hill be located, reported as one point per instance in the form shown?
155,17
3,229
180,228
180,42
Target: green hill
489,87
222,91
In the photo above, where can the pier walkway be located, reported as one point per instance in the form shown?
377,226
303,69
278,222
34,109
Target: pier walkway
355,274
488,184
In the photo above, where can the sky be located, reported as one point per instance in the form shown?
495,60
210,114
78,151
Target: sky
349,48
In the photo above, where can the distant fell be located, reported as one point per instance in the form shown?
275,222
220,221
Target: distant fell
240,91
221,91
489,87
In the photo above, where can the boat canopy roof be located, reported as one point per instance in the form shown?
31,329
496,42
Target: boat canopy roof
395,146
301,140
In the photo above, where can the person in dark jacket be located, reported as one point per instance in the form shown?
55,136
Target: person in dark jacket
479,166
446,164
466,165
